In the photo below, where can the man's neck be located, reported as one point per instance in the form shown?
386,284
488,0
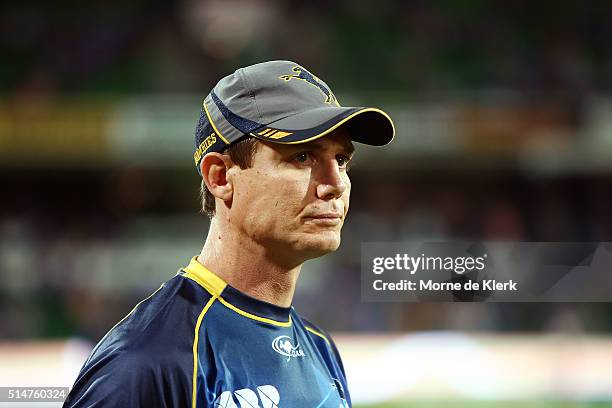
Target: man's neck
249,267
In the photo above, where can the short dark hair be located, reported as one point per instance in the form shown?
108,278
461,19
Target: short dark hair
241,153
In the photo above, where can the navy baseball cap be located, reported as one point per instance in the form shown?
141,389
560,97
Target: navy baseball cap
281,102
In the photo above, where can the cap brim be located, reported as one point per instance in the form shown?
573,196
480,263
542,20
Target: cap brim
365,125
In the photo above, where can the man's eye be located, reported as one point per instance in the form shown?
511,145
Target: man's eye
342,160
301,158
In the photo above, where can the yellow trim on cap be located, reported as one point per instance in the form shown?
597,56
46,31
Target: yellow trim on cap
196,340
263,133
279,135
334,127
213,123
268,135
313,331
215,286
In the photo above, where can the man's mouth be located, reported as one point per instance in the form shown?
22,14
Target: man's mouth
325,219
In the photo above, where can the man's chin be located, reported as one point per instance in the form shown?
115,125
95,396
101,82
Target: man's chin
320,244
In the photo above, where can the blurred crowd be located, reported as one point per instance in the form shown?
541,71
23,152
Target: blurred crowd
64,231
416,46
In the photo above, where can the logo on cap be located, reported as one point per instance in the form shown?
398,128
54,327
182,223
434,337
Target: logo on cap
203,147
306,76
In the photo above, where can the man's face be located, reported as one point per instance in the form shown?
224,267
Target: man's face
294,198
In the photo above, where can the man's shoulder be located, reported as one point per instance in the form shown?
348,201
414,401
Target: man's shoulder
319,335
146,357
160,324
322,338
315,331
134,378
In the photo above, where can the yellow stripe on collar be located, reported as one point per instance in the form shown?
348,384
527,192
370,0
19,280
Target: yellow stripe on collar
204,277
215,286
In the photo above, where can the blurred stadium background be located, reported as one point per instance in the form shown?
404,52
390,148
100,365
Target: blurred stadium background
504,120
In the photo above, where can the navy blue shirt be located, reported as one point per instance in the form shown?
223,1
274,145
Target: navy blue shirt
198,342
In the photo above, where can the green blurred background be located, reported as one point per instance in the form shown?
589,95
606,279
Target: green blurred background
503,113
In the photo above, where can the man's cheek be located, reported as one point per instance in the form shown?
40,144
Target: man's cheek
346,198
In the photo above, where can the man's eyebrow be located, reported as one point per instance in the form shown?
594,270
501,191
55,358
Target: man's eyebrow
348,147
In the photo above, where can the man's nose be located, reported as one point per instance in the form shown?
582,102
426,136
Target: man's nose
330,183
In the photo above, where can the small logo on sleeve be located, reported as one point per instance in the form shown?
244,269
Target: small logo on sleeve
283,345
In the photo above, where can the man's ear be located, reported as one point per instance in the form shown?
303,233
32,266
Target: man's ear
214,167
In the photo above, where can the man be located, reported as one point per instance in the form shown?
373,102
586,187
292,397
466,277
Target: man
272,147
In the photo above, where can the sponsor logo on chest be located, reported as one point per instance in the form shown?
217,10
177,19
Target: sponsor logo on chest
283,345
